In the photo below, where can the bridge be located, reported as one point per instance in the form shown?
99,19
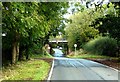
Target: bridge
60,43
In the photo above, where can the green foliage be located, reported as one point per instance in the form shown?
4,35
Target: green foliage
30,24
79,31
108,25
108,22
102,46
85,25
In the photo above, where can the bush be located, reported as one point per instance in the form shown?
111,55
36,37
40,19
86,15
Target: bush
102,46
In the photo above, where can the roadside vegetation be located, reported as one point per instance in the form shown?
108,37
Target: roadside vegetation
36,68
41,56
85,55
95,31
26,29
102,46
27,70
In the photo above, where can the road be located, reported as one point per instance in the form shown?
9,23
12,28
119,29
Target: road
81,69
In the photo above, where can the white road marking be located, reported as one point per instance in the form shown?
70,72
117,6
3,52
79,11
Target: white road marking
102,65
110,67
50,74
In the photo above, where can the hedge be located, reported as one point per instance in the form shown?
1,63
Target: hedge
102,46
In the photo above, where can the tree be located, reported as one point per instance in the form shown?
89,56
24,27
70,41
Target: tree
108,23
79,31
27,24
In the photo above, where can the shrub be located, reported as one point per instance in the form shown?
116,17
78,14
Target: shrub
102,46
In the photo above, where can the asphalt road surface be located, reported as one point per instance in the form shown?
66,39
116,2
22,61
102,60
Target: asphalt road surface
81,69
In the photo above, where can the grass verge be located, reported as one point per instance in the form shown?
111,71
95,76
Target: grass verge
86,56
41,56
27,70
91,56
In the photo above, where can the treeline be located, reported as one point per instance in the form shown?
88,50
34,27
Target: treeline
96,30
26,26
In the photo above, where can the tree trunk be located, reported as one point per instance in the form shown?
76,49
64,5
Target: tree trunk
15,48
14,52
17,51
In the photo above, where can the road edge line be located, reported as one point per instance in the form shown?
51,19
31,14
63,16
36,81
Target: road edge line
107,66
50,73
111,68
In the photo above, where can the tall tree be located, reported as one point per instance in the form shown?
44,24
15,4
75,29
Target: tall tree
28,23
108,23
79,31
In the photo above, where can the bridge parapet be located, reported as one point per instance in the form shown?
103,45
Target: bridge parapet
58,41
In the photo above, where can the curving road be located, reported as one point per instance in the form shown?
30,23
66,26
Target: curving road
81,69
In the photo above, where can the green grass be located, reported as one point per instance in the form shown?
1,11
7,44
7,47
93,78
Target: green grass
85,56
27,70
41,56
82,54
